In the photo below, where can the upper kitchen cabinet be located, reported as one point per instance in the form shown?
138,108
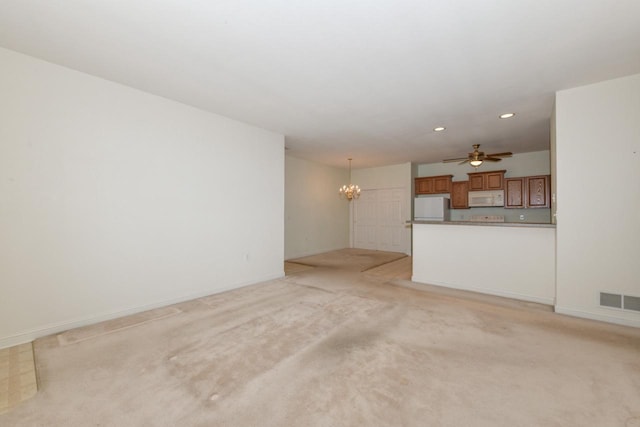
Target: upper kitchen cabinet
460,195
538,189
515,193
528,192
440,184
492,180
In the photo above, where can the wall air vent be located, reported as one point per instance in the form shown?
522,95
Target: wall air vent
610,300
631,303
624,302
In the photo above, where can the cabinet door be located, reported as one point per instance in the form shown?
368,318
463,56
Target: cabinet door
476,182
424,186
515,192
494,180
460,195
538,191
442,184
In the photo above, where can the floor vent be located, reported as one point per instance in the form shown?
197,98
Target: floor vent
631,303
610,300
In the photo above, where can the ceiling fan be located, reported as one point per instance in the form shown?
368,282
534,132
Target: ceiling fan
476,157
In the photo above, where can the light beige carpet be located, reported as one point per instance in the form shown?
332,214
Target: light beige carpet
332,346
110,326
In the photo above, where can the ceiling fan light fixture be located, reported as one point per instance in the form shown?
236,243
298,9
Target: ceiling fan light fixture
439,129
477,157
506,115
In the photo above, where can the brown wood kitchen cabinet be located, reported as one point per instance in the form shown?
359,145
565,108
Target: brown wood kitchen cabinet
460,195
433,184
528,192
515,193
538,189
492,180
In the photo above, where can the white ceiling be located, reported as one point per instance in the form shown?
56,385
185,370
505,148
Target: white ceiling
363,79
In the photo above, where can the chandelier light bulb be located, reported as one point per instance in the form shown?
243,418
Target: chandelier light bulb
350,191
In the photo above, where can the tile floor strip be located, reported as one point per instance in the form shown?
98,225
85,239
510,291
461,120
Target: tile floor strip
17,376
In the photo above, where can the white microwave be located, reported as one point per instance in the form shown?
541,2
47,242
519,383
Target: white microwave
478,199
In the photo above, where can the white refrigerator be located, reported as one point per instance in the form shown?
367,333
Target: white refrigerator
435,208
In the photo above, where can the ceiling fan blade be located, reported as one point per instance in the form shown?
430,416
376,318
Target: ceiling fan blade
477,155
454,160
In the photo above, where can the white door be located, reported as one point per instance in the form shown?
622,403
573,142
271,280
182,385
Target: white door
379,220
365,220
391,226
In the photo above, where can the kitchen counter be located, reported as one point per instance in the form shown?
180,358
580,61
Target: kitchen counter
492,224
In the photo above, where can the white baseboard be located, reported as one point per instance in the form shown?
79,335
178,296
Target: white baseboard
598,316
54,328
505,294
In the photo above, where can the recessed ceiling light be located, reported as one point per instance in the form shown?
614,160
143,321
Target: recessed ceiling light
439,129
507,115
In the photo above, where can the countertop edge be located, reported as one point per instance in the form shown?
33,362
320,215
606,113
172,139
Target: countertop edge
488,224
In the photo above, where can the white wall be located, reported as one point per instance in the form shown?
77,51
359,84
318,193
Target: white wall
513,262
113,200
394,176
553,164
598,197
316,217
521,164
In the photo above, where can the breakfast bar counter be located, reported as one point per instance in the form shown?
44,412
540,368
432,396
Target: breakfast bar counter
515,260
493,224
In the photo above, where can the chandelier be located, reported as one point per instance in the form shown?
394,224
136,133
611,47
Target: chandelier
350,191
